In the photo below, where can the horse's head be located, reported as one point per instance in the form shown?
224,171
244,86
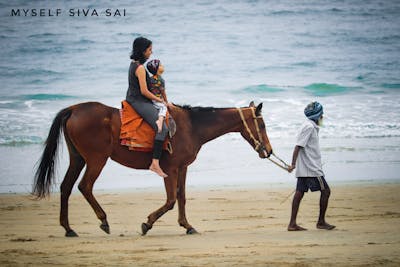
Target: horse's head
254,131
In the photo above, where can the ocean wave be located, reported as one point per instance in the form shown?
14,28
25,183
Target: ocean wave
44,35
391,85
316,89
375,40
21,140
307,11
305,64
326,89
366,76
283,13
84,41
29,100
7,72
46,97
377,136
261,88
39,50
338,10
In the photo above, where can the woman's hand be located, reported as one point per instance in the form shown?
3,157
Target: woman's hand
159,99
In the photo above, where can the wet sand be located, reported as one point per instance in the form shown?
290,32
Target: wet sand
238,227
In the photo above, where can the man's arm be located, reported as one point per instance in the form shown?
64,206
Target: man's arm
294,158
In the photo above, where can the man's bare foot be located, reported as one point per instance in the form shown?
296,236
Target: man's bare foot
157,170
296,228
325,226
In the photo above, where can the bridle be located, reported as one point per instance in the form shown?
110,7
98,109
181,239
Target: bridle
258,145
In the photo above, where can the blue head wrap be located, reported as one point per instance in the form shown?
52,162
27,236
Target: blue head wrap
314,111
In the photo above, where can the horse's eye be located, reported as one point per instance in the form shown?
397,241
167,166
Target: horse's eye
262,126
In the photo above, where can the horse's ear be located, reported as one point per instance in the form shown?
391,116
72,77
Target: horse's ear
258,109
252,104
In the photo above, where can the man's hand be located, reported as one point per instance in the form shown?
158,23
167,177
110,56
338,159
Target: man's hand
291,168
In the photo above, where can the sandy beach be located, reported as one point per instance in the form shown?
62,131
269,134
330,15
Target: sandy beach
238,227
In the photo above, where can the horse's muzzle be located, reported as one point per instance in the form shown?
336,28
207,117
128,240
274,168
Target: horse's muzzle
264,153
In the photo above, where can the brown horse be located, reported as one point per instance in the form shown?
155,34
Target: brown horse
91,131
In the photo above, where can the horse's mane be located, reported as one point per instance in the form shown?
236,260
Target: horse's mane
198,112
196,109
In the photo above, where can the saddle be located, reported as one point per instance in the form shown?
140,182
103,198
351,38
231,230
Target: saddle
137,134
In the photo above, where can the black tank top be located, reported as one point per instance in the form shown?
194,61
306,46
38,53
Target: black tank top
133,94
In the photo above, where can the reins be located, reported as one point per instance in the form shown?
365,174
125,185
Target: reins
284,165
258,142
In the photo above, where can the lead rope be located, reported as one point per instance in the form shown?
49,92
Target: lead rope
285,166
257,143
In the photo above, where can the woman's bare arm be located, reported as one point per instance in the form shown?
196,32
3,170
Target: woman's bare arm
141,74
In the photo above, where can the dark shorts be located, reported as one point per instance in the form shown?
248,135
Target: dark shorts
311,183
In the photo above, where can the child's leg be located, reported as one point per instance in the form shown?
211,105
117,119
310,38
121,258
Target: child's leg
160,120
162,111
159,123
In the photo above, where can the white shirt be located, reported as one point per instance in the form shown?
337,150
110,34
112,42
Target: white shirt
309,162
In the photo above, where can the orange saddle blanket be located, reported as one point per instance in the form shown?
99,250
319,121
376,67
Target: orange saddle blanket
135,132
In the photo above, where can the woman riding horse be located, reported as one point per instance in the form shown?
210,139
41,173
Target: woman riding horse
139,97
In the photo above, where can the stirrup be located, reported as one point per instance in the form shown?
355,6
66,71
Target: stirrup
169,148
171,127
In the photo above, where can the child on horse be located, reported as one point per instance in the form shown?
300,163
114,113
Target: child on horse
157,88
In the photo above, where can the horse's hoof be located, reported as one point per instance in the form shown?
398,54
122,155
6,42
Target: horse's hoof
71,233
145,228
105,228
191,231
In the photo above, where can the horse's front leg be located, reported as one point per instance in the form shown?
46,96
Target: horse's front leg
170,183
182,201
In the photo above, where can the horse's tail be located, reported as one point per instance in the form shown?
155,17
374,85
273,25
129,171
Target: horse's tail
44,176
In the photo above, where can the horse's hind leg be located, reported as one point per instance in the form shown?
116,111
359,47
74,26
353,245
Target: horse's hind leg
93,169
75,167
